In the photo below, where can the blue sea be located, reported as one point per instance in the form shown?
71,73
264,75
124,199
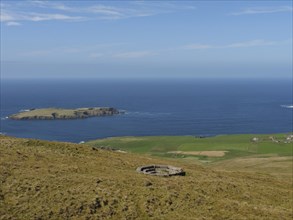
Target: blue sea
153,107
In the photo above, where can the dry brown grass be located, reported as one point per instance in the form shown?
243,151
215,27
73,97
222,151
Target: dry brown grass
51,180
281,167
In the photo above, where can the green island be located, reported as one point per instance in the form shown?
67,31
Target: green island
227,177
60,113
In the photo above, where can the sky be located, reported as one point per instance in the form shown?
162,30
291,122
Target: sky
146,39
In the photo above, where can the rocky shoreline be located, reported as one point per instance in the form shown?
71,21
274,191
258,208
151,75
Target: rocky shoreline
63,114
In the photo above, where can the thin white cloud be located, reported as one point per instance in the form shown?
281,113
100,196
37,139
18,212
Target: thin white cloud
264,10
96,8
251,43
105,10
93,53
164,5
9,16
70,11
92,50
47,17
133,54
103,50
13,23
6,16
96,55
197,46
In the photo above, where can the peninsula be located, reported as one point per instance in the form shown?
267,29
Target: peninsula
61,113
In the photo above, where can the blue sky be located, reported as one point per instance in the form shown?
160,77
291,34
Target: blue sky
98,39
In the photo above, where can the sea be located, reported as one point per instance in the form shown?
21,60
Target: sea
198,107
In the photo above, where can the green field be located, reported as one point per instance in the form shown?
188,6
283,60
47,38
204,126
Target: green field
236,145
228,152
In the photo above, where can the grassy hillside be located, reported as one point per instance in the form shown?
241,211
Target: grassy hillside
43,180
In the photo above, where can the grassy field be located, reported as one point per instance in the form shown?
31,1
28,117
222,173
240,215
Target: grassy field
265,154
53,180
235,145
46,112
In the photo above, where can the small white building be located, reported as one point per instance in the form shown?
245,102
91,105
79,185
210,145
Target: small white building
255,139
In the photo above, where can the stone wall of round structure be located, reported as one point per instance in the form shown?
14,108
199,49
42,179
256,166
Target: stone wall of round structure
161,170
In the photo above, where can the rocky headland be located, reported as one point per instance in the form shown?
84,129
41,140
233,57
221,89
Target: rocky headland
60,113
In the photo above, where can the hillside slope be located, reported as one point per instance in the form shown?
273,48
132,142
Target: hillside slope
43,180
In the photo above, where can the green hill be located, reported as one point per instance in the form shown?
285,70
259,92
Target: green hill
53,180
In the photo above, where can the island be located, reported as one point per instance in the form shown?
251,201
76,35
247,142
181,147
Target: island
61,113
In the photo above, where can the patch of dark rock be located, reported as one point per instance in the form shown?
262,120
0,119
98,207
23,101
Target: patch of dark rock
80,209
147,183
50,214
95,205
105,202
98,181
108,148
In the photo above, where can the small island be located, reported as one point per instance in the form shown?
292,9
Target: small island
61,113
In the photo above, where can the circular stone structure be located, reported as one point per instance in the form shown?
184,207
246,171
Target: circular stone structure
161,170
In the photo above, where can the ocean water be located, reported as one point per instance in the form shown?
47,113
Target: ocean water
153,107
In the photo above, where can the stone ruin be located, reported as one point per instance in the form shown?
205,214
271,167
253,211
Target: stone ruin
161,170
